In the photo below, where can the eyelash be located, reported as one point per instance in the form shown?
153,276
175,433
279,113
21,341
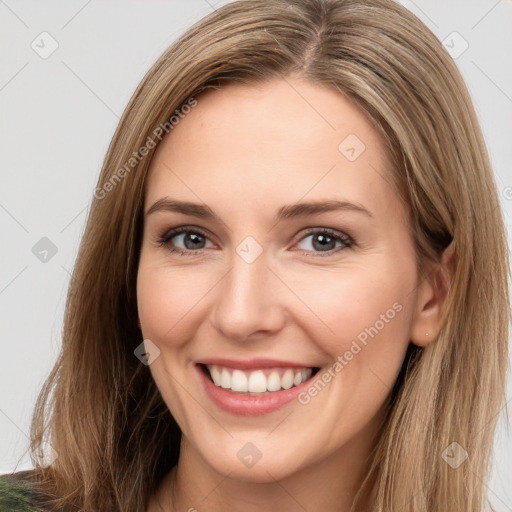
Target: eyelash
166,236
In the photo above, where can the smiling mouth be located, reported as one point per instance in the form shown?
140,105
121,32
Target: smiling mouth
257,382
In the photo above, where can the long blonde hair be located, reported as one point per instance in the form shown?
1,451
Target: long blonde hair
100,409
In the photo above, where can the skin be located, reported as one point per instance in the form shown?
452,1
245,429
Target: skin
246,151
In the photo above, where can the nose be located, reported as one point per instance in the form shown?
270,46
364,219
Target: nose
249,302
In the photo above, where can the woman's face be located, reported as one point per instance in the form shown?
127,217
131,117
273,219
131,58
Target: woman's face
275,253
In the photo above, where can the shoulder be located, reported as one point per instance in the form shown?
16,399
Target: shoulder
17,492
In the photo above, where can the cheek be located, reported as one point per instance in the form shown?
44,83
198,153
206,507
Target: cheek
360,311
168,301
362,322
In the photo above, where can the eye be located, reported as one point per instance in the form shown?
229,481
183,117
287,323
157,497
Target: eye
185,241
325,241
188,241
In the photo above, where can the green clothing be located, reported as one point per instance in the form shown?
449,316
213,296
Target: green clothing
16,495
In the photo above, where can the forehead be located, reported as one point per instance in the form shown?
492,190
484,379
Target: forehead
275,142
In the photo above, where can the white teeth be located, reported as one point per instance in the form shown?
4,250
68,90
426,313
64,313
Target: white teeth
287,379
225,379
273,382
258,381
214,372
239,381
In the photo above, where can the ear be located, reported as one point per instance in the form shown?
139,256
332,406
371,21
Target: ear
431,299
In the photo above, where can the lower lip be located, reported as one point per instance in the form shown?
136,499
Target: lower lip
247,405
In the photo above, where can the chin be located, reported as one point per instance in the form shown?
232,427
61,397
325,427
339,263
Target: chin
253,462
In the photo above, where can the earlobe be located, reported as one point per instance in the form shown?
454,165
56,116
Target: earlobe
432,298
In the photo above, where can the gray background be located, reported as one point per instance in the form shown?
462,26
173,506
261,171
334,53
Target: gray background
58,114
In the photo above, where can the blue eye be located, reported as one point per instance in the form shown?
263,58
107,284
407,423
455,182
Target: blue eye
190,242
324,241
185,241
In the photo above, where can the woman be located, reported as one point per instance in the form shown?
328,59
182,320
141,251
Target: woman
278,297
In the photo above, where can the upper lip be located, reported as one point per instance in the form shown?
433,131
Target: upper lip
251,364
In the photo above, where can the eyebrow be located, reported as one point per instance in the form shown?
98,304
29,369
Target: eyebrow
285,212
